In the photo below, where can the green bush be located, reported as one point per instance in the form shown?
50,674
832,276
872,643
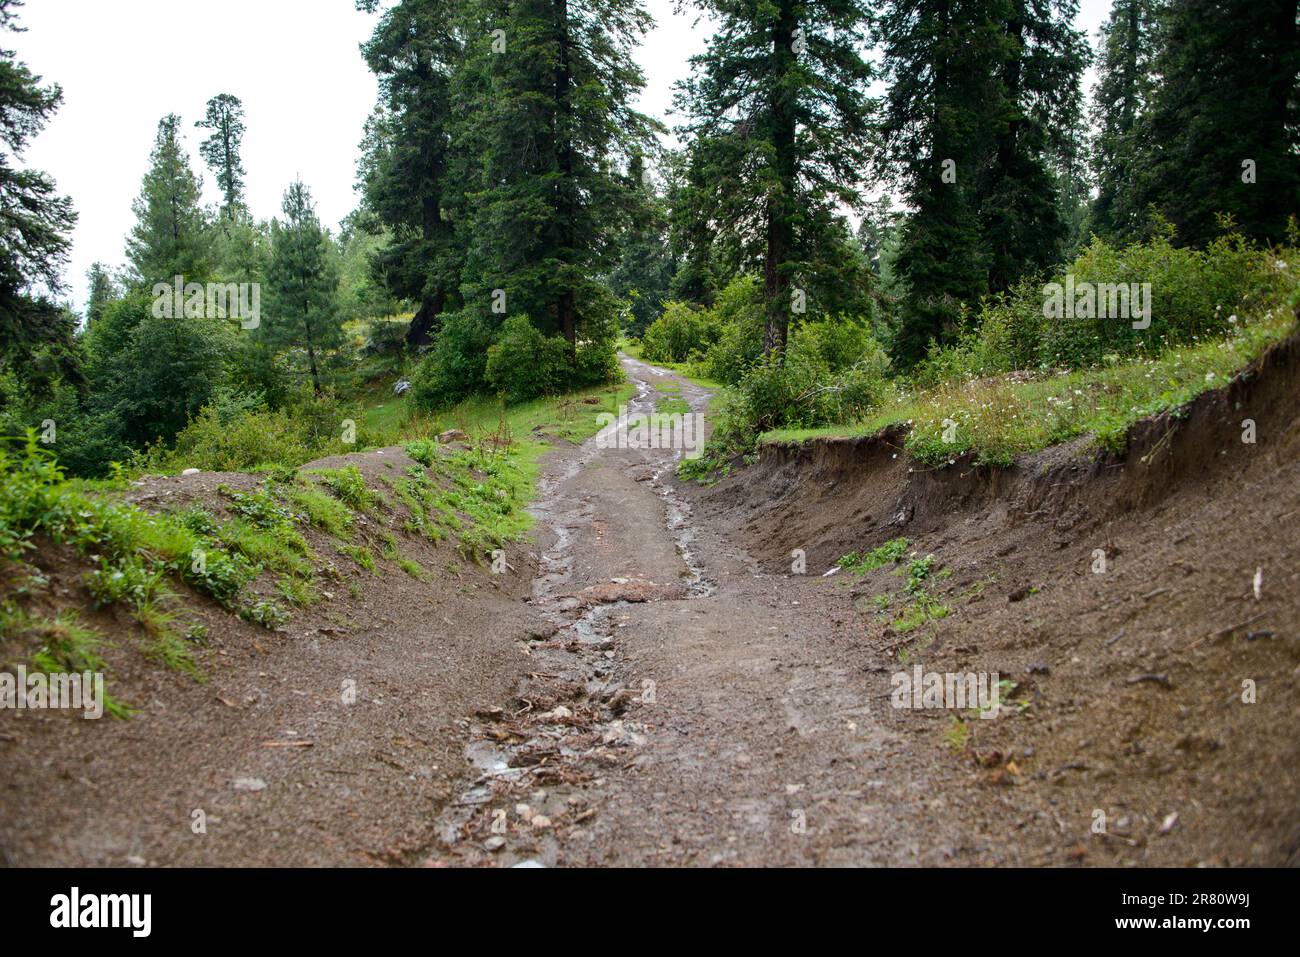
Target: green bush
740,319
455,366
524,363
839,343
804,391
237,433
1195,295
681,333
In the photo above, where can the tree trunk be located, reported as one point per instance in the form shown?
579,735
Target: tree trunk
780,211
425,321
565,308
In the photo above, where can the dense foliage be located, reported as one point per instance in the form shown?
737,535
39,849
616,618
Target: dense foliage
862,201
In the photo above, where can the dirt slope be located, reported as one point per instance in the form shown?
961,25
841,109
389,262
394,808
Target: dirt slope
420,654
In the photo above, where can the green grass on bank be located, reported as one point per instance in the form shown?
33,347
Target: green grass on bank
1000,417
571,417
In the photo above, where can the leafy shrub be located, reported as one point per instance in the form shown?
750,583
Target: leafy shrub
455,366
739,316
801,392
679,334
1195,295
524,363
237,433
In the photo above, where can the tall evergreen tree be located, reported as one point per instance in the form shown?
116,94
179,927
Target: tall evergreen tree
1223,131
36,335
940,58
225,118
1120,99
644,271
302,285
778,106
976,140
405,170
548,125
102,292
1041,61
169,237
691,231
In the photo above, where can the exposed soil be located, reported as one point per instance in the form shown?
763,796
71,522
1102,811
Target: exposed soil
656,685
419,655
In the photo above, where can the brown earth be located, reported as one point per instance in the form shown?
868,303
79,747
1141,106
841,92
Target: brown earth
671,693
420,655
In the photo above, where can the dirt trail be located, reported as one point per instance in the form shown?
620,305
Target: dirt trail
746,718
722,721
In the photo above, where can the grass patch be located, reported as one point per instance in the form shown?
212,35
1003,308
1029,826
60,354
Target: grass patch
412,568
997,418
889,553
359,554
349,487
323,511
673,407
64,646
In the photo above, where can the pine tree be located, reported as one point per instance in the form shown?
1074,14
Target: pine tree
405,170
940,57
302,285
691,232
778,107
548,122
1041,61
1223,131
169,237
1120,101
102,292
644,273
225,117
975,139
35,240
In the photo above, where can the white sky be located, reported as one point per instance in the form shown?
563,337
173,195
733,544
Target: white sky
295,64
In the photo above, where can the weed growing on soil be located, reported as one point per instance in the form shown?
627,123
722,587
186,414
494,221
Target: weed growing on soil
64,646
412,568
476,494
323,511
957,735
297,591
349,486
359,554
889,553
265,613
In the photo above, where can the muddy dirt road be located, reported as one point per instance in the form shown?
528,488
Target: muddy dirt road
690,708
